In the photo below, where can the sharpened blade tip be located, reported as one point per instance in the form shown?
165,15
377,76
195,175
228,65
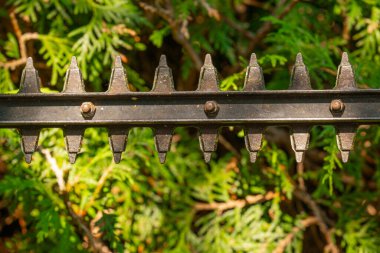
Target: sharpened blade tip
28,158
207,156
162,157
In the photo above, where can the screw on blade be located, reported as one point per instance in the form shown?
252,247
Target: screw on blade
253,137
208,79
345,136
345,78
300,141
300,79
118,80
208,139
73,139
118,141
254,78
73,80
163,78
163,139
29,140
30,81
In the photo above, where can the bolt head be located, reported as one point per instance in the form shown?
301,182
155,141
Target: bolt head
88,109
337,106
211,108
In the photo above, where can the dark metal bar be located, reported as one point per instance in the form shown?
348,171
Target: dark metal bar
187,108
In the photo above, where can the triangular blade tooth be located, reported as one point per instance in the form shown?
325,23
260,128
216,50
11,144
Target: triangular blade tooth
208,139
254,78
253,139
73,139
163,78
345,136
29,141
118,80
73,80
30,81
345,78
299,140
118,141
208,79
163,139
300,79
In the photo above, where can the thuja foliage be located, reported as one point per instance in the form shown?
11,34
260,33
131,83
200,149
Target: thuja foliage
185,205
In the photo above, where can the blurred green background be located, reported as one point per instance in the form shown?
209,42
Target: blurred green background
185,205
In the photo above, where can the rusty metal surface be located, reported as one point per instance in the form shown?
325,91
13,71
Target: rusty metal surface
207,108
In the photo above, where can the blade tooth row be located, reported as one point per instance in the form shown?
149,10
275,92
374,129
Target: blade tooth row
73,138
208,81
208,140
253,137
345,136
118,79
254,78
163,139
118,141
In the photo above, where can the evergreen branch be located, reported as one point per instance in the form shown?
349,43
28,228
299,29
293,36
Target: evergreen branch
309,221
99,187
240,203
267,26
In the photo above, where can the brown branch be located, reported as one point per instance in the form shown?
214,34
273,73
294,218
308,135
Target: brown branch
300,174
18,33
239,28
177,31
267,26
227,145
281,247
96,244
240,203
320,216
22,40
57,171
